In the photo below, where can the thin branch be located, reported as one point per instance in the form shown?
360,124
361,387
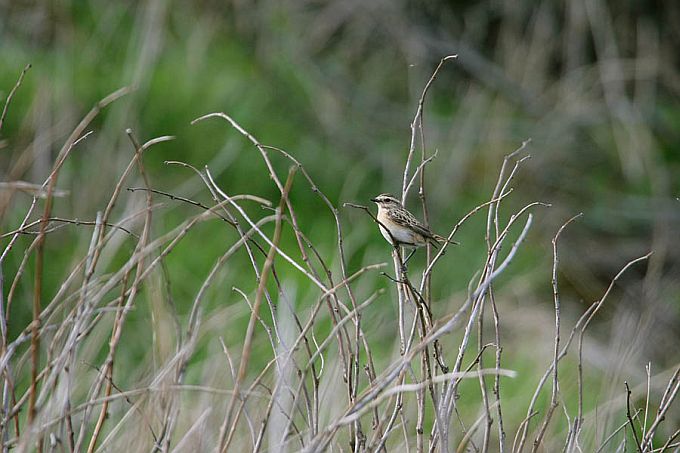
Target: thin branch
247,344
11,94
556,349
630,419
414,123
579,327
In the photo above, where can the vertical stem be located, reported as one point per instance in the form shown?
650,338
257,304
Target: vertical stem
254,314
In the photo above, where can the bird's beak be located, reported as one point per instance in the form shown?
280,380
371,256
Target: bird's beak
374,200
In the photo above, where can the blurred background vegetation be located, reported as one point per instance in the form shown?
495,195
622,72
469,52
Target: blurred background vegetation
594,84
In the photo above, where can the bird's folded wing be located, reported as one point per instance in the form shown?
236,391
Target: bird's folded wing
424,231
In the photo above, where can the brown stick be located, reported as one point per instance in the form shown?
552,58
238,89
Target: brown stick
247,344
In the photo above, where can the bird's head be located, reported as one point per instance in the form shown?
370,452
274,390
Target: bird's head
386,200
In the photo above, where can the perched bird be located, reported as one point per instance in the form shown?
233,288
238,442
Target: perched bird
404,228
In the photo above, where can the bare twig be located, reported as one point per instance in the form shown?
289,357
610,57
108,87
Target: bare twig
556,349
75,138
415,122
11,94
579,328
247,345
670,393
630,419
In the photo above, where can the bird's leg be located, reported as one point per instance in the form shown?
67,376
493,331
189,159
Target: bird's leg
409,256
398,250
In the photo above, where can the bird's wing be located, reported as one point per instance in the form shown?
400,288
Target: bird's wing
425,231
406,219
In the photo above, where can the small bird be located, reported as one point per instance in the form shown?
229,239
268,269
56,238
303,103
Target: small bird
404,228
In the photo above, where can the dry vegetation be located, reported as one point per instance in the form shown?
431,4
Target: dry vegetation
209,292
305,374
